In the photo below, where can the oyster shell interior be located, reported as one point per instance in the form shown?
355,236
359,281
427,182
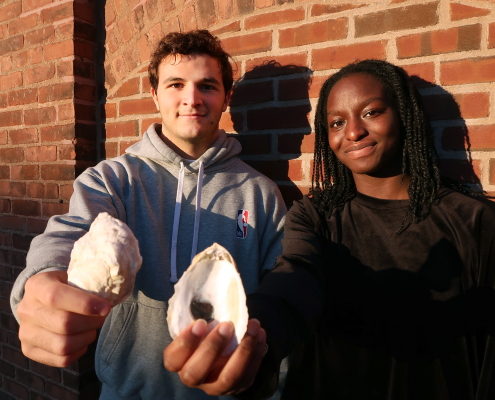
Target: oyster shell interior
105,260
211,289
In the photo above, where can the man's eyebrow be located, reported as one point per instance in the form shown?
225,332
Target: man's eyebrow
178,79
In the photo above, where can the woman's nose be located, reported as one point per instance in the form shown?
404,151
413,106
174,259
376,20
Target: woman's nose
354,129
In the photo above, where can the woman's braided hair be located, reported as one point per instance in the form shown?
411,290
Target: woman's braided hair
333,182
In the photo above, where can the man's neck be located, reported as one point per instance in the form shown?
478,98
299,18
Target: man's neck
187,150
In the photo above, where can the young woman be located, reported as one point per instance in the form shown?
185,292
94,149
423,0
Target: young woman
385,287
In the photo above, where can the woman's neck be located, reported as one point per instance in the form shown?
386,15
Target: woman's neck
389,188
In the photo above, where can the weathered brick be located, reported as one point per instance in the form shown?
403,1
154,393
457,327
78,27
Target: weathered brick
423,75
41,35
109,150
11,155
57,13
65,112
467,71
171,25
57,172
188,18
4,188
7,369
36,226
35,190
491,36
4,137
248,44
21,97
28,135
66,191
21,242
5,272
29,5
275,66
17,189
24,172
492,171
394,19
340,56
296,143
232,27
124,144
110,110
322,9
155,34
109,14
206,13
11,11
40,116
137,18
51,191
5,63
275,18
39,74
120,67
15,389
125,29
84,12
279,117
279,170
316,32
121,129
477,137
4,206
254,144
460,170
138,106
51,209
294,89
231,122
59,50
10,118
469,37
10,81
226,9
112,44
58,91
28,208
252,93
11,44
57,133
15,357
131,56
128,88
12,223
461,11
23,24
473,105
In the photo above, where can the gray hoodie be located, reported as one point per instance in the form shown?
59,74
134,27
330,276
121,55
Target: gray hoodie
145,189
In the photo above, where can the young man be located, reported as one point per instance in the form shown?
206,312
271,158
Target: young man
180,189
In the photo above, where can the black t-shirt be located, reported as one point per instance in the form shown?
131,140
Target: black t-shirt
368,314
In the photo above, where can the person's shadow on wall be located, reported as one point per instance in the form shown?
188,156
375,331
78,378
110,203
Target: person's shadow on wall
270,112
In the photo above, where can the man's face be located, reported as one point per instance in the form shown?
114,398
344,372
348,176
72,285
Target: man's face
191,98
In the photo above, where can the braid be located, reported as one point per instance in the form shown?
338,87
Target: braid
333,183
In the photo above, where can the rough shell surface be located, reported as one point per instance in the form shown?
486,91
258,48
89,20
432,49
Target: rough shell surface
105,260
212,278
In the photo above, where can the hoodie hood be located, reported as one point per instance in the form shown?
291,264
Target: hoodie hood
220,155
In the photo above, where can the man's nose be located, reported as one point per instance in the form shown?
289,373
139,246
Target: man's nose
191,96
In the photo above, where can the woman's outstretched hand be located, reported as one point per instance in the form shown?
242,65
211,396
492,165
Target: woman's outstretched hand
200,364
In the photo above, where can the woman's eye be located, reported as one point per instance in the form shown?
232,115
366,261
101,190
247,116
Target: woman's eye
372,113
336,124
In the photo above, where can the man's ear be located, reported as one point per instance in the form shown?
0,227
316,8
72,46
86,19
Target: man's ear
155,98
227,100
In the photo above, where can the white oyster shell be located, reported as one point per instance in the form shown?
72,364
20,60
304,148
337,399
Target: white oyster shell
211,278
105,260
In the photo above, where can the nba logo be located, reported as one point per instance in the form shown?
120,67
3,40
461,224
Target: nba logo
242,223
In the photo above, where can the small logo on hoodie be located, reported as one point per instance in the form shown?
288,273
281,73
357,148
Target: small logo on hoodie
242,223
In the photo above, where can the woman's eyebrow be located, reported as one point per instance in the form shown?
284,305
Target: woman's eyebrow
364,103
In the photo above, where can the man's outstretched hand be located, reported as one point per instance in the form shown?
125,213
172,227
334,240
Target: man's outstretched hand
58,321
201,364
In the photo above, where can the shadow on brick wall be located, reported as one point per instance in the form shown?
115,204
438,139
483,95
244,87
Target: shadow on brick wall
274,101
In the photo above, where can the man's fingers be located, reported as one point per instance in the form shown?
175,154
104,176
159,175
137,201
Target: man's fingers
58,345
179,351
201,362
44,357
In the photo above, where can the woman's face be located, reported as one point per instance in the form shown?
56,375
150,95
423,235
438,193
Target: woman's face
364,127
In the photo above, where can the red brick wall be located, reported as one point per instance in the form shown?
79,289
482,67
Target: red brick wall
50,129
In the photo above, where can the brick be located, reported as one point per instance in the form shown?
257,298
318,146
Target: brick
36,226
125,144
21,97
146,85
51,209
4,206
279,170
23,24
109,150
10,118
35,190
11,11
275,18
245,6
39,74
24,172
279,117
40,116
248,44
231,122
4,137
462,11
294,89
473,105
155,34
120,67
27,208
84,49
188,18
19,60
460,170
252,93
10,81
477,137
57,133
316,32
139,106
85,112
340,56
84,12
66,191
59,392
57,172
263,3
29,5
131,56
154,8
58,91
17,189
21,242
441,107
444,41
15,389
7,369
491,36
11,155
274,66
12,223
21,136
15,357
296,143
492,171
112,44
254,144
5,240
5,63
467,71
109,14
206,13
59,50
40,36
121,129
57,13
410,17
65,31
84,31
226,9
144,49
4,188
84,92
66,111
125,29
423,75
171,25
469,37
110,110
51,191
232,27
4,172
322,9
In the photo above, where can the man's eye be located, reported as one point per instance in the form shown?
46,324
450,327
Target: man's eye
176,85
207,87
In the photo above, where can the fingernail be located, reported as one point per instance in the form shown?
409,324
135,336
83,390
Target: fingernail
262,335
226,329
253,328
102,309
199,327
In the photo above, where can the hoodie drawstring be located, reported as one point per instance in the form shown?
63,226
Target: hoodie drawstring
175,230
